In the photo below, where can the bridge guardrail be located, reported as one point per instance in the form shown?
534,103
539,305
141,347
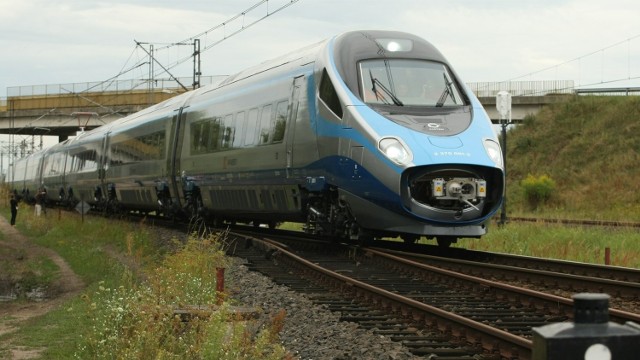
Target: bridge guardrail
107,86
522,88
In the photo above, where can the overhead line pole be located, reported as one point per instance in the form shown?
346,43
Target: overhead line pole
196,63
163,68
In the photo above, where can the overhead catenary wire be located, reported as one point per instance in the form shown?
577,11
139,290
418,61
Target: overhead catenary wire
599,51
222,26
579,59
124,69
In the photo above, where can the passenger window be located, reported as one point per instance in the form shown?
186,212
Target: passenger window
228,132
265,125
214,137
252,128
205,136
281,121
85,161
239,130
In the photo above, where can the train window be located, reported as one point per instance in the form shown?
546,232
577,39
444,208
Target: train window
142,148
408,82
84,161
198,131
46,169
265,125
239,130
228,132
281,121
31,168
54,164
68,160
205,136
214,135
328,94
251,132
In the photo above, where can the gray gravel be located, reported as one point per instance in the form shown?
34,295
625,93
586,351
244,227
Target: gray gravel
310,331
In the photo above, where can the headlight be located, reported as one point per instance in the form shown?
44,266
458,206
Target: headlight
494,152
393,149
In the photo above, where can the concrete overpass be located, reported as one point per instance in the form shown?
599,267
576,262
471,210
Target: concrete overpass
63,115
521,106
58,111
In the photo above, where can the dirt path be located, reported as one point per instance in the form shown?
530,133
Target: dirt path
12,315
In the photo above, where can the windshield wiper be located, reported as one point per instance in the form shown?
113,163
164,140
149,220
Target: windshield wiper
374,82
447,91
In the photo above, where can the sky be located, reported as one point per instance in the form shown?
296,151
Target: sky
593,42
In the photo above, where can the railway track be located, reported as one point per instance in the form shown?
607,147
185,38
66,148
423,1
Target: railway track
431,310
560,277
601,223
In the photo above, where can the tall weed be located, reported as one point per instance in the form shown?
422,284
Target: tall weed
137,321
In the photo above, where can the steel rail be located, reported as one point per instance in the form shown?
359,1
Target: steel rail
626,288
606,223
565,302
520,345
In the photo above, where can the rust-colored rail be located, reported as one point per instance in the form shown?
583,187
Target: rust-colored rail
491,339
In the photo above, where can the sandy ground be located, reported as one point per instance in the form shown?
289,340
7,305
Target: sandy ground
13,314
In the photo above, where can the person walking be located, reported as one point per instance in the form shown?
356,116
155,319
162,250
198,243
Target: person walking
38,206
14,209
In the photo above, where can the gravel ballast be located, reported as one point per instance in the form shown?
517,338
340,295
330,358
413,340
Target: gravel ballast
310,330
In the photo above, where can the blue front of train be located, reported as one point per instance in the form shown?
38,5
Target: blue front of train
414,151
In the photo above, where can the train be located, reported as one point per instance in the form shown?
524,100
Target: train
365,135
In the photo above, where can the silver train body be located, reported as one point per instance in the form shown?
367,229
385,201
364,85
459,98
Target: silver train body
365,135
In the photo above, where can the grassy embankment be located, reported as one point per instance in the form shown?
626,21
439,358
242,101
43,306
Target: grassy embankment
589,150
120,316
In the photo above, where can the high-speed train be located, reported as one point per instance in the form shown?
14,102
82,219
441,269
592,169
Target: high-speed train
365,135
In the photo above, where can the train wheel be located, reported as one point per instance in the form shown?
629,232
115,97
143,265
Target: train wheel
445,241
193,207
410,239
366,240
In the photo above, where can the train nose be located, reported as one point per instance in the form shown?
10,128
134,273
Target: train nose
448,195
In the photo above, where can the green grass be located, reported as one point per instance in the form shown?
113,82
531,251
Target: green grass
118,316
561,242
590,147
82,245
57,332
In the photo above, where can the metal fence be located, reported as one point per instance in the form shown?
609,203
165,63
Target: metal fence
108,86
621,91
522,88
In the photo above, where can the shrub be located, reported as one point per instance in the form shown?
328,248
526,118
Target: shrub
137,321
538,190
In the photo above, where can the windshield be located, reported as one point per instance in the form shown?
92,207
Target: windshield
408,83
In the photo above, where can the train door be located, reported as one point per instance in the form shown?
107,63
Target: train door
176,134
101,192
39,177
296,87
